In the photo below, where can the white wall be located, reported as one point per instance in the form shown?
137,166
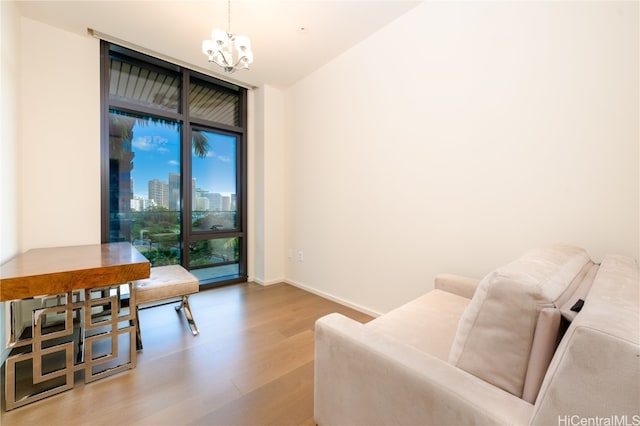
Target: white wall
458,137
268,186
59,127
9,165
50,162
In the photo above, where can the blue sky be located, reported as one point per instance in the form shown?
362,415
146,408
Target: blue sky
157,153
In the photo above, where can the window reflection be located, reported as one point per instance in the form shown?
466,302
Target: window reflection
144,185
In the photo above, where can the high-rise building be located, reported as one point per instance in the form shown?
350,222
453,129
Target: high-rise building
159,193
226,203
174,191
215,201
194,196
202,204
140,204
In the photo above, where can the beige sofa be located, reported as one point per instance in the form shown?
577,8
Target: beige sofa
508,349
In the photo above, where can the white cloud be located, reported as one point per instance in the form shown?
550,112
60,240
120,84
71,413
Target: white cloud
150,143
143,143
159,140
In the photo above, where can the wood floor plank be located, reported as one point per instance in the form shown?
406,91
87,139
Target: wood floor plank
286,401
275,361
252,364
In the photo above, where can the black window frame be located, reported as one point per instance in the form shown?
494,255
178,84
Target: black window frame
187,123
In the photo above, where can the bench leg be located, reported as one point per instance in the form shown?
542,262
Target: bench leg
138,334
187,313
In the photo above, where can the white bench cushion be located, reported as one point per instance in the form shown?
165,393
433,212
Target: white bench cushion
165,282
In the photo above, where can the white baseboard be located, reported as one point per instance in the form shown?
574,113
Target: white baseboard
333,298
269,282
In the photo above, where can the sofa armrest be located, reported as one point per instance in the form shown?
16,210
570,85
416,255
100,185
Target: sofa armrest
367,378
457,284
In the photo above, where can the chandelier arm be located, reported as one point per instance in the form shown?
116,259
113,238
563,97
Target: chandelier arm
222,55
237,63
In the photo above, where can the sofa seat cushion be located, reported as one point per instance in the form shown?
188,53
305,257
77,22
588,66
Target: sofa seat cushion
428,323
495,333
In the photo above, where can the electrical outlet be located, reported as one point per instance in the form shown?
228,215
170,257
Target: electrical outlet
300,256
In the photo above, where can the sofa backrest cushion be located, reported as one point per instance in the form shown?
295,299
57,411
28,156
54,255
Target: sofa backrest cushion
595,372
495,334
545,341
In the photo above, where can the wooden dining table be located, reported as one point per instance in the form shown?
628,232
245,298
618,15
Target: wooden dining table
57,270
80,319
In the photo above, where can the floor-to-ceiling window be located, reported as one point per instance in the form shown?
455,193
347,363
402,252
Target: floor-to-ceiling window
174,164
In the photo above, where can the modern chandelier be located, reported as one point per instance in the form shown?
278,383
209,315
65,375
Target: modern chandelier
220,48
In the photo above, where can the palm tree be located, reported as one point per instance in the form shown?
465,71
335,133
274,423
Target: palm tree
200,143
121,127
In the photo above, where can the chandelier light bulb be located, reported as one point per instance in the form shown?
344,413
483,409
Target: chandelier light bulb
247,57
242,43
209,49
220,37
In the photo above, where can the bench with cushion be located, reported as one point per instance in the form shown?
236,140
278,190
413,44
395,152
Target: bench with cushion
165,283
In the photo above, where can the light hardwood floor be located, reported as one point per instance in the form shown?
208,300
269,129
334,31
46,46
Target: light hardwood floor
251,364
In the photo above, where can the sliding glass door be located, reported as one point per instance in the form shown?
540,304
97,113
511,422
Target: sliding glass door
215,236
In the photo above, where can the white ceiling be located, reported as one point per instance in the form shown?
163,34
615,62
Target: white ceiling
175,29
